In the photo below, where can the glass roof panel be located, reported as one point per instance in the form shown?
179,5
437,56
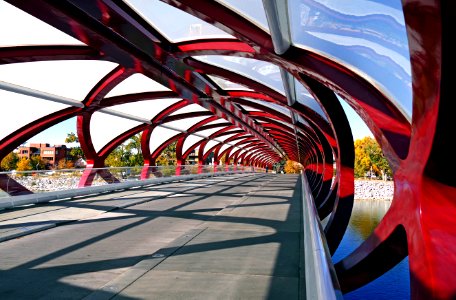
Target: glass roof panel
146,109
300,119
104,128
136,83
66,78
190,141
19,110
305,98
188,109
260,71
184,26
228,85
185,124
208,132
159,136
271,105
22,29
224,137
368,35
250,9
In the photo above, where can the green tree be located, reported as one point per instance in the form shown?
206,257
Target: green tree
369,157
168,156
71,138
37,163
133,147
9,162
75,152
116,158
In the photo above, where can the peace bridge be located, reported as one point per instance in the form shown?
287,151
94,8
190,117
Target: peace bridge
252,82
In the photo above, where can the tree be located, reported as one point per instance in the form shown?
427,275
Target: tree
37,163
168,156
133,147
24,164
292,167
71,138
369,158
65,164
9,162
116,158
75,152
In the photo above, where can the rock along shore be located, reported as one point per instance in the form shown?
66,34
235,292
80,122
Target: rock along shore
374,189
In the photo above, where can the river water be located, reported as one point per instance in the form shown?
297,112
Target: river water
393,285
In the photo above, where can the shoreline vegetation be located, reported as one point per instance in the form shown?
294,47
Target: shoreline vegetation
366,189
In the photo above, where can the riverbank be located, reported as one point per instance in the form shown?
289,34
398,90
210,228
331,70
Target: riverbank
374,189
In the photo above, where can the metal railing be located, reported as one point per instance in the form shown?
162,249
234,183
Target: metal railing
48,185
320,277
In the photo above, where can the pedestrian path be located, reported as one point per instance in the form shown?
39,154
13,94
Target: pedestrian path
237,238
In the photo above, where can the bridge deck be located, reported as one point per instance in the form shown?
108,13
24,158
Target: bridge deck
235,237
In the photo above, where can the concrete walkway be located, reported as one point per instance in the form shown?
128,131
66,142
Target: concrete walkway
236,237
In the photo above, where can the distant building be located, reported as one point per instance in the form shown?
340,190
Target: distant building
51,155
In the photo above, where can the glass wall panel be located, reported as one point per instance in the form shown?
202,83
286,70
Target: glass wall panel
183,27
18,28
224,147
224,137
136,83
369,36
104,128
19,110
67,78
209,145
190,141
159,136
305,98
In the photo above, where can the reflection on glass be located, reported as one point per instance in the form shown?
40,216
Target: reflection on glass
368,35
250,9
18,110
228,85
305,98
260,71
175,24
136,83
104,128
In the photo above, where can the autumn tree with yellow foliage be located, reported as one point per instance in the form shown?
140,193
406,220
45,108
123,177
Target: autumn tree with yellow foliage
369,157
292,167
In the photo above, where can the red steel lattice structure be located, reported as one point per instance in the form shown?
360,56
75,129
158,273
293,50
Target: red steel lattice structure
420,222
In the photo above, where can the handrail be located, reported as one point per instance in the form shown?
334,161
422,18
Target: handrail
320,278
34,198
